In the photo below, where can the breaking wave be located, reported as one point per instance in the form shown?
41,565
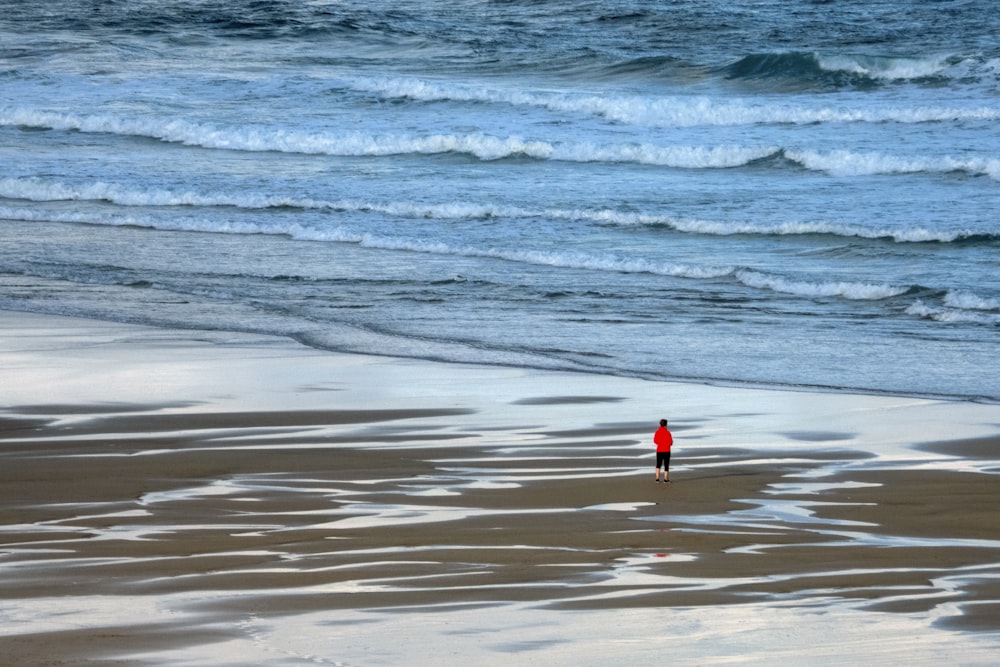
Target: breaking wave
847,163
846,290
43,190
355,144
952,315
723,228
969,301
846,69
665,110
486,147
558,259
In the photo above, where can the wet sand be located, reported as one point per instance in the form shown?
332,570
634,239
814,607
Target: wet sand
174,497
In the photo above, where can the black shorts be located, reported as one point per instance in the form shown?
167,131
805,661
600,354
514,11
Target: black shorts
663,458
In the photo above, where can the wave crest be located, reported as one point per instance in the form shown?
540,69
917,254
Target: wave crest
355,144
718,228
837,70
554,258
848,163
968,301
887,68
42,190
486,147
664,110
952,315
847,290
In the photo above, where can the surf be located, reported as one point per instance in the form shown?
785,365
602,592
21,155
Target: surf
43,191
851,163
846,70
485,147
661,110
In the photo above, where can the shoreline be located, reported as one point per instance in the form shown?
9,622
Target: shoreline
713,382
263,501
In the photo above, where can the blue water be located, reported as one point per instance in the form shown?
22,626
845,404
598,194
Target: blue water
793,194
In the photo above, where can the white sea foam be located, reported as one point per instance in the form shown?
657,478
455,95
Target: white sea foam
847,290
42,190
568,260
847,163
725,228
486,147
610,263
184,224
691,157
887,68
950,315
262,139
969,301
558,259
45,190
36,215
356,144
666,111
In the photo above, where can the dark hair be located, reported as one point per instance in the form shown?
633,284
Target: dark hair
663,422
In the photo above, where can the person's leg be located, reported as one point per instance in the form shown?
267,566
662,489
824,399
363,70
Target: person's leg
666,466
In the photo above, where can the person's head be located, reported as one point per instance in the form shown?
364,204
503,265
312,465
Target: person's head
663,422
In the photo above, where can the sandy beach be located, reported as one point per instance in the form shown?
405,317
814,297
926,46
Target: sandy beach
204,498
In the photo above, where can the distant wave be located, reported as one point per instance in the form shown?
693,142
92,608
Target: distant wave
813,69
554,258
560,259
847,163
618,264
717,228
952,315
969,301
665,111
847,290
354,144
839,69
486,147
891,68
959,307
44,190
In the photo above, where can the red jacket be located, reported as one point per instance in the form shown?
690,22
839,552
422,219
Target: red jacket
663,439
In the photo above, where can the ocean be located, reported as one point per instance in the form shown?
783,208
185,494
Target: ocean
799,195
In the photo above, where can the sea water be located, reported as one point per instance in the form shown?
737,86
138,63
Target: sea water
795,194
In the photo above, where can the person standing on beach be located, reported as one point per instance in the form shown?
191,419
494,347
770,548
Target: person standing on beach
663,440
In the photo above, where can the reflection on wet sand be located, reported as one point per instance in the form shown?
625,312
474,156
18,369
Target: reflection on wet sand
204,534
